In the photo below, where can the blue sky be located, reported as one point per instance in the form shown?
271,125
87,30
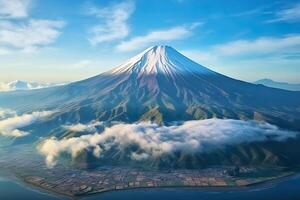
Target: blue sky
63,40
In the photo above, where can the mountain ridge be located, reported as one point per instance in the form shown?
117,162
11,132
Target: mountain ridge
25,85
163,94
160,85
280,85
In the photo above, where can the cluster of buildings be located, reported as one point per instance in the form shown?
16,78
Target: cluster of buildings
67,180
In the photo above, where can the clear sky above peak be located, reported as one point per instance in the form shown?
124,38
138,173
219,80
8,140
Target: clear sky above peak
62,40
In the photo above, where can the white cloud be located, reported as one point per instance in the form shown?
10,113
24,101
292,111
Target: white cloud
266,53
153,140
291,14
138,156
113,22
262,45
20,33
5,113
83,64
91,127
10,126
166,35
14,8
201,56
288,14
28,36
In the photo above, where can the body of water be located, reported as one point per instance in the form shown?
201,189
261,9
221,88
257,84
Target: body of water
12,190
287,188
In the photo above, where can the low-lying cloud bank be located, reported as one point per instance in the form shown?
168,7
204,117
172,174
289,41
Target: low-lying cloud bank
153,140
10,126
91,127
6,113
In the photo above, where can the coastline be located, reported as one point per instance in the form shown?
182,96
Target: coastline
270,181
39,188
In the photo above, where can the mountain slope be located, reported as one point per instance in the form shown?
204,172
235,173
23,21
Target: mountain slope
161,85
280,85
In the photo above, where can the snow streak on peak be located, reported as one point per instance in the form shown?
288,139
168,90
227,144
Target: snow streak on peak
160,60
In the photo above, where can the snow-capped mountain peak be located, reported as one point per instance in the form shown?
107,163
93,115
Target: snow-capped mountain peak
160,60
163,86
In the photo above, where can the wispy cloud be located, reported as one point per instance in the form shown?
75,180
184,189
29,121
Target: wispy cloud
14,8
164,35
83,64
154,141
113,22
266,53
260,45
290,14
10,127
253,12
21,33
6,113
28,36
269,47
91,127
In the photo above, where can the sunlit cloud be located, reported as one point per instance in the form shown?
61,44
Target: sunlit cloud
153,141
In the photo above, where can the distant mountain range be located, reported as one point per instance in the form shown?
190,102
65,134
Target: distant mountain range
25,85
280,85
